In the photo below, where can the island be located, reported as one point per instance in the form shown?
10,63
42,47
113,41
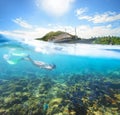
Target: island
64,37
59,37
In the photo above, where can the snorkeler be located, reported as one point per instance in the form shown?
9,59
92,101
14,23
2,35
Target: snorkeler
40,63
9,58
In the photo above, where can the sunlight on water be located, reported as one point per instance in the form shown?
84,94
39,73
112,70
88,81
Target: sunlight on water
77,49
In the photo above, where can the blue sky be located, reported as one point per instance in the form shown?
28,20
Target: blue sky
29,19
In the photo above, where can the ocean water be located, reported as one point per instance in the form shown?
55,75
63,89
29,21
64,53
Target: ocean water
69,59
83,72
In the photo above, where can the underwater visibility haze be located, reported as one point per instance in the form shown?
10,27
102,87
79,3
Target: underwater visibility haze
85,80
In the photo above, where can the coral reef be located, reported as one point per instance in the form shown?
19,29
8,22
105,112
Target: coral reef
78,94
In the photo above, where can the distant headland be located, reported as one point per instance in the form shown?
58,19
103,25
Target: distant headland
64,37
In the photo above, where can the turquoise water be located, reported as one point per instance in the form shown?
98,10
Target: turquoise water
65,63
76,65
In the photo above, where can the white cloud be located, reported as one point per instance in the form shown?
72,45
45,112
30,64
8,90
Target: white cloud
85,17
99,18
87,31
22,23
80,11
106,17
83,31
26,34
55,7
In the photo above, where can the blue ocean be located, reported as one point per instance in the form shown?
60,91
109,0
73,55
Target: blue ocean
41,78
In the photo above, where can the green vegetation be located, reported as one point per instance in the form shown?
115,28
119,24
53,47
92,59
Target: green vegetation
50,35
107,40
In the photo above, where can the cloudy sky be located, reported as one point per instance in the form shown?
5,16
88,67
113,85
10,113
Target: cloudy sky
28,19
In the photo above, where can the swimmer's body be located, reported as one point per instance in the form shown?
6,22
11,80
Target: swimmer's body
40,63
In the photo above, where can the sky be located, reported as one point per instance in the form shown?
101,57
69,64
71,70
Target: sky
30,19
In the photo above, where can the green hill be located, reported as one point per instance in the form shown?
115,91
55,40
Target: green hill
58,36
